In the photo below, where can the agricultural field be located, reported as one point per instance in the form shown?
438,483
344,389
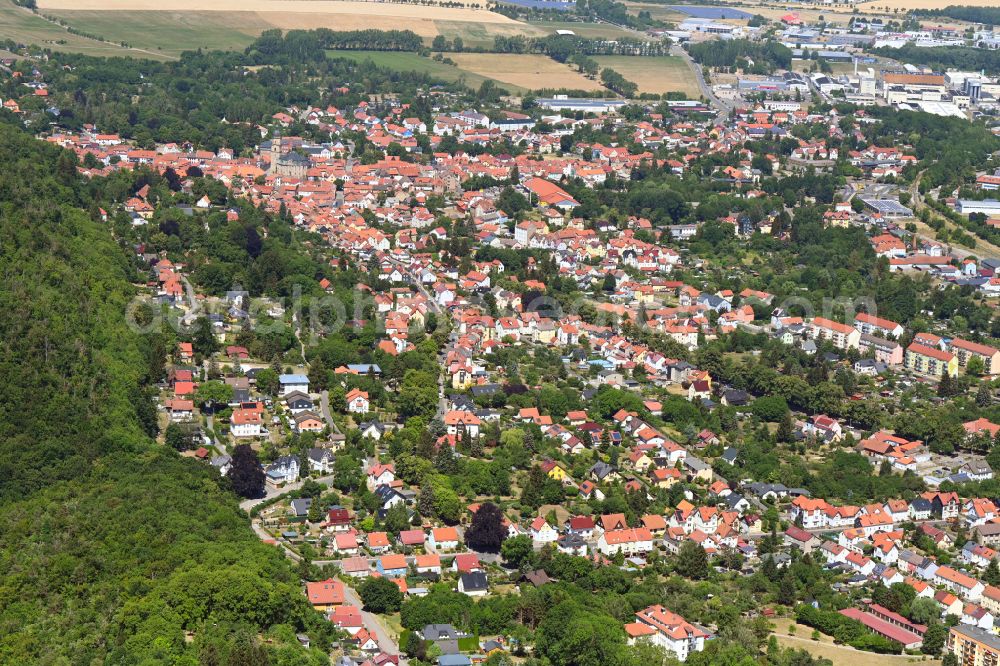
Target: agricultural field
657,11
582,29
530,72
170,32
482,34
249,17
806,13
902,5
22,26
654,74
411,62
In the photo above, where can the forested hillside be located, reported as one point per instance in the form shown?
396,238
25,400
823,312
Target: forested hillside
111,548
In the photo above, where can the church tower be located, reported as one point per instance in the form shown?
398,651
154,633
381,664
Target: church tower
275,152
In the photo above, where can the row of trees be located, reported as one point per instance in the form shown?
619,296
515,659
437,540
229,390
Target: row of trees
766,56
615,81
942,58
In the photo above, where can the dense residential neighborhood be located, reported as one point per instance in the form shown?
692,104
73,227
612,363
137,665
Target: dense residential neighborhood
500,378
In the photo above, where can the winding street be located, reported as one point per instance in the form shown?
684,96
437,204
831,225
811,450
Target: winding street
373,623
270,493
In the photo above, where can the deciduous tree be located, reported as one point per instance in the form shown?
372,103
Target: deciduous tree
486,532
380,595
692,562
246,474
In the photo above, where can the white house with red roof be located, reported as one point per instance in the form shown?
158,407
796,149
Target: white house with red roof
872,325
357,401
541,532
840,335
668,630
629,541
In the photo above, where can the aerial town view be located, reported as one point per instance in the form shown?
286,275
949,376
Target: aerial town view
502,332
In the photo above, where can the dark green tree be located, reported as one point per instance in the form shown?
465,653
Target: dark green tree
692,561
380,595
486,531
246,474
517,551
934,638
992,574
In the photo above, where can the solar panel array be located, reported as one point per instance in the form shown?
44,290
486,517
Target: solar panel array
703,11
889,207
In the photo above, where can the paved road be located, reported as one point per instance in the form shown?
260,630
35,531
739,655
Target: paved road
194,307
960,253
415,281
724,107
442,406
324,407
271,493
373,623
297,326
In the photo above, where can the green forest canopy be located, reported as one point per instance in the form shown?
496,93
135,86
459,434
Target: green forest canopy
112,548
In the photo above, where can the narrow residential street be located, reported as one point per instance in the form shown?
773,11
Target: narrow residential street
324,406
373,623
271,493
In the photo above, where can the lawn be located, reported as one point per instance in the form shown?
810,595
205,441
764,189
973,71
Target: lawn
654,74
468,644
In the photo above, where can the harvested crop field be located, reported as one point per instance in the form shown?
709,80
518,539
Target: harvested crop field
809,14
583,29
654,74
658,12
113,18
533,72
411,62
879,5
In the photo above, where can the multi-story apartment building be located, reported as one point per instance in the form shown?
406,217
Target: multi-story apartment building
973,646
841,335
964,350
929,361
